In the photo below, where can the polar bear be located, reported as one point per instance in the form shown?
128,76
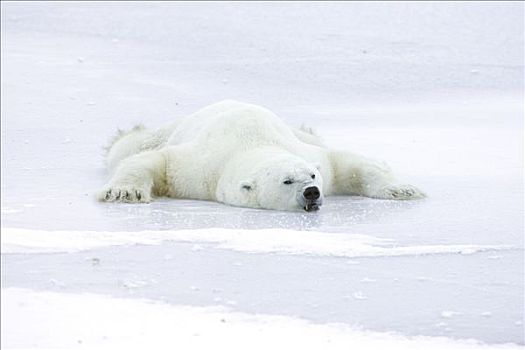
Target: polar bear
242,155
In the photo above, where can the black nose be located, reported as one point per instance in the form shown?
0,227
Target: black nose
311,193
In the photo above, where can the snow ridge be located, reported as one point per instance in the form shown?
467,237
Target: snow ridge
281,241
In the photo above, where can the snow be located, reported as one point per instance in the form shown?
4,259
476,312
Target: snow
449,314
250,241
434,89
73,321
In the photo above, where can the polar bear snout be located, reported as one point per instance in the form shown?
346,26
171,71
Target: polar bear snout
312,193
312,198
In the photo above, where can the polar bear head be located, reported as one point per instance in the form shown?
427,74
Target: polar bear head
272,180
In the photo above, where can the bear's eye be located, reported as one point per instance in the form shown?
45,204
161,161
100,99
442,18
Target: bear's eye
313,176
288,182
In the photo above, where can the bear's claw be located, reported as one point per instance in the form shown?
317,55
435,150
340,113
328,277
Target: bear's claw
124,195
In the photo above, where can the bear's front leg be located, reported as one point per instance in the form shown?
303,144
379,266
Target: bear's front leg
136,178
356,175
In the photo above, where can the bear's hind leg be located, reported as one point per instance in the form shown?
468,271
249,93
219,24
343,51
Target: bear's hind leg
357,175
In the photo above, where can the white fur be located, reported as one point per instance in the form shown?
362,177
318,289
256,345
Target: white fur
240,154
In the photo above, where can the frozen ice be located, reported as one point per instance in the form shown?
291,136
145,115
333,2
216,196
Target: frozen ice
434,89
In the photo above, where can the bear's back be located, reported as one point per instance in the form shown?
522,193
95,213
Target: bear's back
232,125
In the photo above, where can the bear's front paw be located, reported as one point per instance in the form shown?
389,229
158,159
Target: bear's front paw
124,194
400,192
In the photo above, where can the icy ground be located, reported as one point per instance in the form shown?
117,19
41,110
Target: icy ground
434,89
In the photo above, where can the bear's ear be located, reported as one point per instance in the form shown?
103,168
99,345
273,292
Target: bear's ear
247,185
318,166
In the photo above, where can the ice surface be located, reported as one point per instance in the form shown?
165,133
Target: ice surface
164,326
434,89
